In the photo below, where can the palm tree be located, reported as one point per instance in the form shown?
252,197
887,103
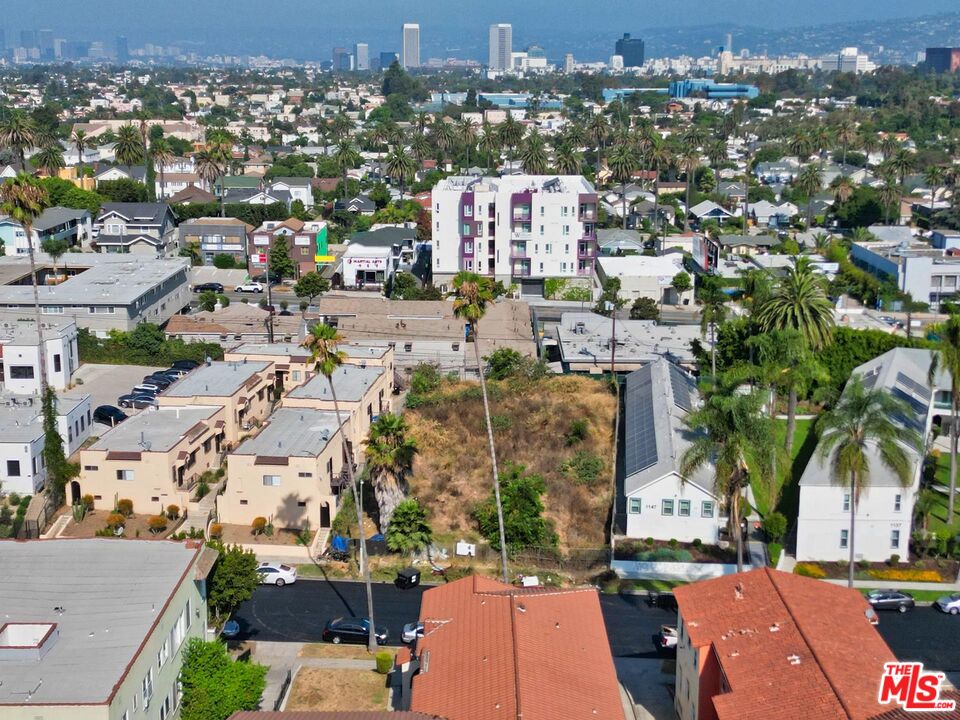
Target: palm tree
533,154
623,161
162,155
861,424
340,126
400,166
49,160
211,168
489,142
810,182
737,439
129,148
419,148
474,293
444,136
800,303
801,144
927,501
934,177
659,157
946,358
23,198
389,455
689,162
822,139
821,242
846,135
598,130
567,161
511,133
79,139
889,194
716,153
713,311
842,189
467,134
323,344
345,157
18,133
901,163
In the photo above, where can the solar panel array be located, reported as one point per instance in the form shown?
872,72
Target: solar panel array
912,385
640,441
918,419
870,380
683,388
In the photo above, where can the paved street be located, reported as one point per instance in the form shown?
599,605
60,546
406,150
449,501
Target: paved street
297,613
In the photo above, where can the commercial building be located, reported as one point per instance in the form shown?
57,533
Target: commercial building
631,50
885,511
236,323
101,292
410,58
644,276
373,257
216,236
388,58
927,274
712,90
501,47
154,458
290,473
943,59
307,244
848,60
20,353
361,55
536,654
22,467
521,228
819,654
95,629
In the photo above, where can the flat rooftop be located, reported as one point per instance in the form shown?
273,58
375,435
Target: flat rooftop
218,379
517,183
18,330
350,382
109,606
585,337
21,416
107,279
162,428
352,350
293,432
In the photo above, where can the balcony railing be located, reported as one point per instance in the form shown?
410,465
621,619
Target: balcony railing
521,216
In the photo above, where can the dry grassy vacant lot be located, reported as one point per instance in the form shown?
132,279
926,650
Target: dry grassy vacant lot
327,690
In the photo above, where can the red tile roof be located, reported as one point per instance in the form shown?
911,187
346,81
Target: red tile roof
330,715
495,652
788,646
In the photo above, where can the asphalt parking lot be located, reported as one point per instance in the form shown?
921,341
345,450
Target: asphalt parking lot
105,383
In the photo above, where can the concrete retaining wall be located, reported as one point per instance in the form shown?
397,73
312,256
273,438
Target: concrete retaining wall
635,570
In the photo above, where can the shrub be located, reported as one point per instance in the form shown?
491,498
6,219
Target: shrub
87,501
810,570
384,662
673,543
775,550
697,542
775,526
13,498
115,520
125,507
584,468
216,530
157,523
455,572
501,423
202,489
649,541
907,575
579,429
665,555
259,525
173,511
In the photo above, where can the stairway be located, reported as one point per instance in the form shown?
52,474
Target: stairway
199,512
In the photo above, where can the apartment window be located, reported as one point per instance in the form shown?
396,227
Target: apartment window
305,474
563,210
468,210
146,686
683,510
301,503
408,347
541,229
295,375
189,613
52,309
126,715
57,365
666,507
124,474
706,509
13,468
100,310
844,538
206,444
244,502
897,502
541,211
563,267
895,539
634,506
165,708
566,230
846,502
91,468
541,267
21,372
164,653
271,480
548,249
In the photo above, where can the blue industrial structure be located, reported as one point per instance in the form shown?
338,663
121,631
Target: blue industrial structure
689,88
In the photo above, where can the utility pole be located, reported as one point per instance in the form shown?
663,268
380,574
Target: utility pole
612,307
269,300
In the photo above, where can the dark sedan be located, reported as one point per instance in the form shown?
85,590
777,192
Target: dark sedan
208,287
351,630
109,415
890,600
187,365
137,401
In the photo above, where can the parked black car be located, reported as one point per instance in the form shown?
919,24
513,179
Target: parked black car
109,415
175,373
161,381
890,600
208,287
351,630
187,365
663,600
137,401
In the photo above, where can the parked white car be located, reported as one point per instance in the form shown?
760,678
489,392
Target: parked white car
950,603
251,287
274,574
412,631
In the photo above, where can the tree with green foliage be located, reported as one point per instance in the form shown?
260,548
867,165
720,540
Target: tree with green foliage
523,523
533,153
863,208
809,183
18,133
390,451
623,162
645,308
214,685
310,286
66,194
681,283
122,190
129,148
280,263
207,301
409,530
713,311
232,580
946,358
59,470
609,301
775,526
400,166
862,428
55,248
49,159
800,302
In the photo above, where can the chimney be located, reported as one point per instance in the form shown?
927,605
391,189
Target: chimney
738,591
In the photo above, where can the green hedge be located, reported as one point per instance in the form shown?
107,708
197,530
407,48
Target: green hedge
665,555
775,550
146,345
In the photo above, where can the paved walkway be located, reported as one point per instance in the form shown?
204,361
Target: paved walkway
757,553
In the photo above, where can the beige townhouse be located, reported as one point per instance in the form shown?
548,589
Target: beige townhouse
292,364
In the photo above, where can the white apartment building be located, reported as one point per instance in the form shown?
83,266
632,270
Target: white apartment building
518,228
885,510
927,274
501,47
20,353
411,46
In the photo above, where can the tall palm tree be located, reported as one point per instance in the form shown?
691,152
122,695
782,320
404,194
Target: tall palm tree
689,162
846,135
889,194
400,166
810,182
162,155
444,136
801,144
18,133
129,149
946,358
598,130
345,157
934,177
474,293
79,139
390,452
49,159
511,133
659,157
567,161
533,153
901,163
323,344
800,303
861,424
340,126
490,142
419,148
623,161
716,152
713,311
736,438
23,198
210,167
467,135
842,189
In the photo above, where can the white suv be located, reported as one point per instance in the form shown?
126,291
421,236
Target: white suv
251,287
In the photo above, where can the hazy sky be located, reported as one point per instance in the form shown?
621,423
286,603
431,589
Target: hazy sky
237,24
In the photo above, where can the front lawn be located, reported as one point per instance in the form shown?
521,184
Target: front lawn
920,571
938,518
804,445
651,550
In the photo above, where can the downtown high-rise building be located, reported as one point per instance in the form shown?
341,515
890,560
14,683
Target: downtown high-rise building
631,50
501,46
411,46
45,43
28,38
123,49
361,56
342,59
388,58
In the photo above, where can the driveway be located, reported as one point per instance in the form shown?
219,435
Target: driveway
105,383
